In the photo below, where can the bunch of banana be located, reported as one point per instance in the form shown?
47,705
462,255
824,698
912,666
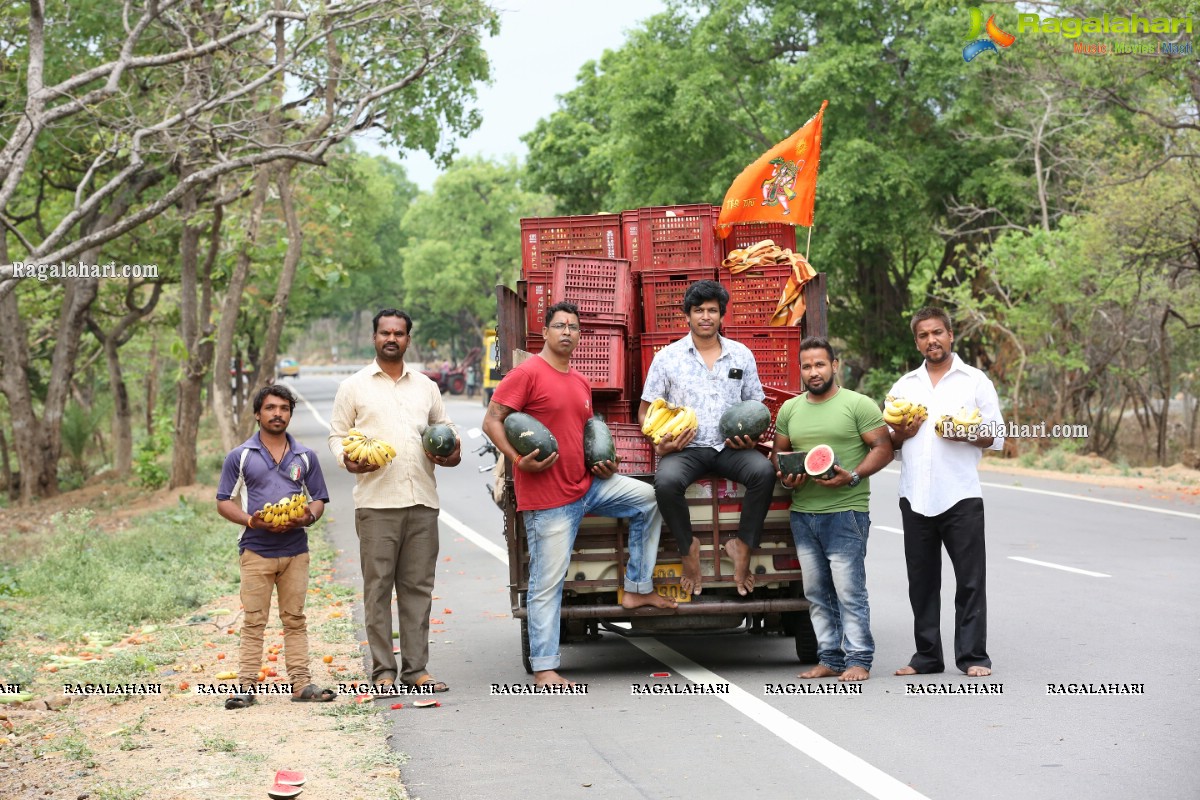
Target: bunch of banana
359,447
963,420
286,512
898,411
663,418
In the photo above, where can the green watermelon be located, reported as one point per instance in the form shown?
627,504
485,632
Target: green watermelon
747,418
791,463
820,461
526,434
598,443
439,440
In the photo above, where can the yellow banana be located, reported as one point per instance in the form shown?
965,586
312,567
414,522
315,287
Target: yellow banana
653,416
893,418
355,451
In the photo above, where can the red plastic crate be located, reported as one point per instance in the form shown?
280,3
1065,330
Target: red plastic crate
600,356
614,410
776,351
601,287
651,343
534,342
745,234
629,238
676,237
634,449
774,400
754,294
662,298
543,238
539,289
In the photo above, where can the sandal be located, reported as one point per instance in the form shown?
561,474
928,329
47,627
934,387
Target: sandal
237,701
314,694
429,680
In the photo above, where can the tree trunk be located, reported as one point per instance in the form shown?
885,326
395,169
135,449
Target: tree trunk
222,396
279,305
150,386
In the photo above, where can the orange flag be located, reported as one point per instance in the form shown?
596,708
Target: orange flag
781,185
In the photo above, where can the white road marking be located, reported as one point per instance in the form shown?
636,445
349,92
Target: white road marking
889,530
870,779
1060,566
476,539
1170,511
311,408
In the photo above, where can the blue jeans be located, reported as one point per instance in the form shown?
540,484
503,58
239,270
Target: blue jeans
551,535
832,549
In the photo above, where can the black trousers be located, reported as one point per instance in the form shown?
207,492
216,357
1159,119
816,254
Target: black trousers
960,530
677,471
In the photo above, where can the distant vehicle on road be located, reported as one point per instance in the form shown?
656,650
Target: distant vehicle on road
288,368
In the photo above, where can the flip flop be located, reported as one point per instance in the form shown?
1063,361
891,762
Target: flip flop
237,701
314,694
289,777
282,791
427,679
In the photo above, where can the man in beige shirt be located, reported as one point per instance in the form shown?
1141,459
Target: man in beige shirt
395,506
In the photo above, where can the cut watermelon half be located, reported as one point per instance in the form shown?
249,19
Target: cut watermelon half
289,777
820,462
282,791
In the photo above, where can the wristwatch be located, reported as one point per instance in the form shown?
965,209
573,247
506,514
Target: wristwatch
854,479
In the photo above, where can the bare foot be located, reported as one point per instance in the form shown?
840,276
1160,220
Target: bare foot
978,672
739,551
691,569
549,677
819,671
633,600
854,674
906,671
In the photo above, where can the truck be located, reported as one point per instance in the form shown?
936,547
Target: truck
591,592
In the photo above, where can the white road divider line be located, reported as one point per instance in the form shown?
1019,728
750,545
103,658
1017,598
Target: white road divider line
870,779
311,408
474,538
1119,504
889,530
1024,560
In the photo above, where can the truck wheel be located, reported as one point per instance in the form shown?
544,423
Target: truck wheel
458,384
806,638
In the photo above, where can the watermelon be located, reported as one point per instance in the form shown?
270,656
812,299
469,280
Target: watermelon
598,443
526,434
747,418
791,463
439,440
820,461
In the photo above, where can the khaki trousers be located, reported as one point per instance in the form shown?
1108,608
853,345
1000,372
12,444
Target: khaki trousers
398,549
289,577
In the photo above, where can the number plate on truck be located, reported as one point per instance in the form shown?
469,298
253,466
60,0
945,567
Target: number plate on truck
672,590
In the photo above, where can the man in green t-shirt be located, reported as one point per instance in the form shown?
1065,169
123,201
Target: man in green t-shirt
830,516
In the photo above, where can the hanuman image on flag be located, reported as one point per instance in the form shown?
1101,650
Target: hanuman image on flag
778,190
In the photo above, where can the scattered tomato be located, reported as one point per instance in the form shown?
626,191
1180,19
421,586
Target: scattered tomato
327,659
272,657
183,686
220,656
396,706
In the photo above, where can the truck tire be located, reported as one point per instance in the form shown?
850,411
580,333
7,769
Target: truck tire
800,624
458,384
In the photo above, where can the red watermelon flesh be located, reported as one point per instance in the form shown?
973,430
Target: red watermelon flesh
820,461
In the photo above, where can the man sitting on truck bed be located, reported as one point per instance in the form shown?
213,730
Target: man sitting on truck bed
708,373
554,494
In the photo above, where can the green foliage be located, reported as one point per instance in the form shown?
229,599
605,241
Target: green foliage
147,459
464,240
163,566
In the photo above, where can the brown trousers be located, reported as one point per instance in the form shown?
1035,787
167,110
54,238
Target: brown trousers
398,549
288,576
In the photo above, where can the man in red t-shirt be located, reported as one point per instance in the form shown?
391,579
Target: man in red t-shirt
555,494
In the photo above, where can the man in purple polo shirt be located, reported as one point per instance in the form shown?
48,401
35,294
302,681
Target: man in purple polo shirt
268,467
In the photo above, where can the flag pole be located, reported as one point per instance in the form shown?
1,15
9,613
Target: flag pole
808,244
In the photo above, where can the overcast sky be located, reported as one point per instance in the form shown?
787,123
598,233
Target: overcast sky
540,48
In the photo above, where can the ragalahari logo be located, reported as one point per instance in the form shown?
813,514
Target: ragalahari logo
981,44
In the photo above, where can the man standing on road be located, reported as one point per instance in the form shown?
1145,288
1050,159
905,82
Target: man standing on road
554,494
941,501
395,506
270,466
830,519
708,373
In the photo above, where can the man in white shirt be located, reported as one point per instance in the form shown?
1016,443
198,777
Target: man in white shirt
941,501
395,506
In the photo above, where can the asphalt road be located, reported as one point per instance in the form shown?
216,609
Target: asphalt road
1106,593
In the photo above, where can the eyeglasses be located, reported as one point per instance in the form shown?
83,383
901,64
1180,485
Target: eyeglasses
562,326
